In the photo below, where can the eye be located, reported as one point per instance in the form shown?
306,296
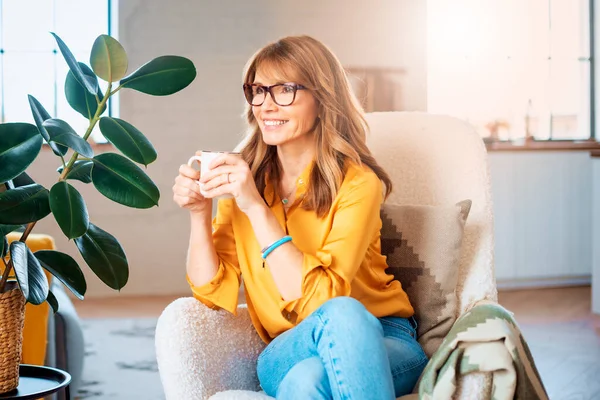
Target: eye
259,90
287,89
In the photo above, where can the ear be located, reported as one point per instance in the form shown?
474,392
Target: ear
320,110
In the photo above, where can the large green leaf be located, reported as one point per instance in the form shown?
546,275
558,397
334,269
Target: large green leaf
105,256
61,132
37,283
5,230
18,256
91,85
3,247
78,97
52,301
123,182
81,171
39,116
128,139
22,180
162,76
108,59
65,269
24,204
69,209
20,144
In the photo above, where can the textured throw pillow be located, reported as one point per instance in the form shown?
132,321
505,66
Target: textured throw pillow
422,244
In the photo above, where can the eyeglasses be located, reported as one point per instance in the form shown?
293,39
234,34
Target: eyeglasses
283,94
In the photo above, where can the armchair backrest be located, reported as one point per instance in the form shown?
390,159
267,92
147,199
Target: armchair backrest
441,160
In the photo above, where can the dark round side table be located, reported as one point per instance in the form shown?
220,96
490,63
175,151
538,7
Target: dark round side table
36,382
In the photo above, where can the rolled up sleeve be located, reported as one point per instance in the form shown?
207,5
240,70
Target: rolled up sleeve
329,272
222,291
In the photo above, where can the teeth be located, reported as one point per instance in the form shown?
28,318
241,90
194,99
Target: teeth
274,123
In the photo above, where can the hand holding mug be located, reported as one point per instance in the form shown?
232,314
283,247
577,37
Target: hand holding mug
229,175
205,158
186,191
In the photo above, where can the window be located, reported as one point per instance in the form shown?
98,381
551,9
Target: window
512,68
30,62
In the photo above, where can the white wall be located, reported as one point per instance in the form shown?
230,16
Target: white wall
219,37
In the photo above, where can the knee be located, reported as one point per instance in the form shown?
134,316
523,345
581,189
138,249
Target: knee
346,312
306,380
343,304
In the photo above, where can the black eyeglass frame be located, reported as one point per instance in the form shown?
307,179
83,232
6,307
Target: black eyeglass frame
247,87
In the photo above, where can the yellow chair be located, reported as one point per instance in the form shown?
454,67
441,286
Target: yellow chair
35,332
54,340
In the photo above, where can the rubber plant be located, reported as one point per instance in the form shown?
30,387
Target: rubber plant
24,202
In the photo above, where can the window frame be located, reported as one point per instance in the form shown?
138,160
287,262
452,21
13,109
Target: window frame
113,102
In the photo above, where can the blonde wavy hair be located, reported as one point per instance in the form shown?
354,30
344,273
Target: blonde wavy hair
340,129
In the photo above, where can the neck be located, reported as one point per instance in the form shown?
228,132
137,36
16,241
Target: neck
294,160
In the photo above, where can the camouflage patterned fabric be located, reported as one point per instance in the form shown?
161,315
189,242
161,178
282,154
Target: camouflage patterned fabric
485,339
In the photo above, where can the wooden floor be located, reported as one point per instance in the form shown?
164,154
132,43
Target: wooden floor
564,338
529,306
553,305
563,334
123,307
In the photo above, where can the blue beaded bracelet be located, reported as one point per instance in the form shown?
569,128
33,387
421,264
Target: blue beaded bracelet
267,250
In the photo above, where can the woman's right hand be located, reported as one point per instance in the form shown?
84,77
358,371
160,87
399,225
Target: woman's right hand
186,192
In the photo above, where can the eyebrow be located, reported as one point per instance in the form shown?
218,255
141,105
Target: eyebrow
277,83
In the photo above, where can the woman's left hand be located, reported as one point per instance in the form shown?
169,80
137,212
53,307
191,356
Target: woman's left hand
230,174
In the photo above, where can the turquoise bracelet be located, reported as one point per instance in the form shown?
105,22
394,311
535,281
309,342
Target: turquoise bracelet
267,250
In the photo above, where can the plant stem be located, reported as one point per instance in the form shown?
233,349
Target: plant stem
27,231
116,90
4,275
10,264
88,132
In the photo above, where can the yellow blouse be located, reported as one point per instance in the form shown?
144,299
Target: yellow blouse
342,257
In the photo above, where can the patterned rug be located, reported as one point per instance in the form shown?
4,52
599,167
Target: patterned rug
120,361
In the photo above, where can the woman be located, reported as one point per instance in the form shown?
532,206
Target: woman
303,229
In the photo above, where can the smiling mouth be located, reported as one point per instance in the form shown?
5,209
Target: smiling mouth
274,122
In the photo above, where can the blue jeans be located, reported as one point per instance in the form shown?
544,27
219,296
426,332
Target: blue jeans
341,351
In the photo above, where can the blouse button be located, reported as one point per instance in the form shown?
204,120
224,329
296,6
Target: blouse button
301,181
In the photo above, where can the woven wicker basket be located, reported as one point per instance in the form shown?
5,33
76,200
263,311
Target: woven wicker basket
12,317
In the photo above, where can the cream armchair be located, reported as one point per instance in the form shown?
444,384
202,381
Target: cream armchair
432,160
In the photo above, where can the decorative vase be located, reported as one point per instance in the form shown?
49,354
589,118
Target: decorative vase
12,318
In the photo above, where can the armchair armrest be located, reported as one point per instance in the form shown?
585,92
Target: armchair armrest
201,351
484,354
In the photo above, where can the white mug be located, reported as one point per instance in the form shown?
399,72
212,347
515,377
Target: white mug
205,159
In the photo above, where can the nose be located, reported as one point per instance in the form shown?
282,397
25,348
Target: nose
268,104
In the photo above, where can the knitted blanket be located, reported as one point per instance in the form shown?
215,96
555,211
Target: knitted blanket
485,339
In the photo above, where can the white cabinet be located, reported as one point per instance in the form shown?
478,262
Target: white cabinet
543,217
596,235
